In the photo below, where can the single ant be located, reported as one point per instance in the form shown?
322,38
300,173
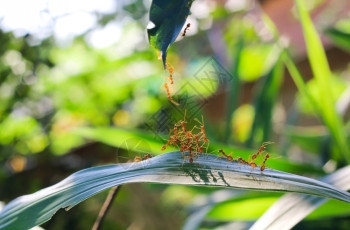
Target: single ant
145,157
182,124
242,161
253,164
171,71
202,132
198,146
187,27
260,150
166,86
228,157
190,154
166,144
167,90
262,168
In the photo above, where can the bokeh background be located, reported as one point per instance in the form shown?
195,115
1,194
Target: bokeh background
80,86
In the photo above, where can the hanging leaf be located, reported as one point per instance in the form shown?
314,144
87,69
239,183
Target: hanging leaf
167,19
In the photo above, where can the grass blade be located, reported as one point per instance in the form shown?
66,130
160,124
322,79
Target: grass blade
322,74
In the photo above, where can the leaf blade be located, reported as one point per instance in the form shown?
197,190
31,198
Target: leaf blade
168,18
209,170
290,209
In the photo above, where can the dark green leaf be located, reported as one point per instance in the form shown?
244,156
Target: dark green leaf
168,18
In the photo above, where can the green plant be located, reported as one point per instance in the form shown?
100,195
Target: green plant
86,103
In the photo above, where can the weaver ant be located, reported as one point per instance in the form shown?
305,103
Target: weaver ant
228,157
261,149
166,86
171,71
262,168
145,157
203,137
187,27
242,161
188,139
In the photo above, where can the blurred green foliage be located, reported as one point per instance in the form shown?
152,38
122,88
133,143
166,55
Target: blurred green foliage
54,100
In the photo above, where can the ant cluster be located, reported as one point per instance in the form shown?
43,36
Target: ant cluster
194,141
253,158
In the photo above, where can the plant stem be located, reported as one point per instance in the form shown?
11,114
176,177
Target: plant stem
105,207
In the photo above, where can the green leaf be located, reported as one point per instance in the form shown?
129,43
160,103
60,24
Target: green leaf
123,138
322,75
168,18
119,137
262,56
205,206
207,170
292,208
244,208
339,37
308,138
265,100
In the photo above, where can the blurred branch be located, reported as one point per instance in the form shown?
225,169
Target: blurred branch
105,207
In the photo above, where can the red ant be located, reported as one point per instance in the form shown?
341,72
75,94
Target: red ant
203,133
181,123
183,126
166,145
228,157
260,150
262,168
190,155
199,148
145,157
166,86
167,90
242,161
189,140
171,71
251,163
187,27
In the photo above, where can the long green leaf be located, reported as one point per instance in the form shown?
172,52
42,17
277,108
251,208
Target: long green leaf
292,208
207,170
292,68
339,37
206,205
119,138
322,74
265,101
